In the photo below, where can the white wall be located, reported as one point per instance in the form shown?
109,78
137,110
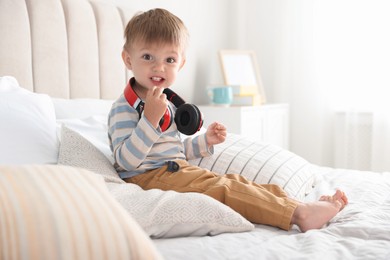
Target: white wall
281,33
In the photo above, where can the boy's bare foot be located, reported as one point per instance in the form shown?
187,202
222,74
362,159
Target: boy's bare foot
339,195
316,214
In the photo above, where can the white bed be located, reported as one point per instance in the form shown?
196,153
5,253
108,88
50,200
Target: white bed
69,51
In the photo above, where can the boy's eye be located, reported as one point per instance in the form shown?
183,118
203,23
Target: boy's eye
171,60
147,57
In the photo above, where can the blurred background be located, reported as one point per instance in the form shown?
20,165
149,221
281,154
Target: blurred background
329,60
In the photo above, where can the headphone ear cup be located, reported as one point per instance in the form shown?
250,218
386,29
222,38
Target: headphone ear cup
188,119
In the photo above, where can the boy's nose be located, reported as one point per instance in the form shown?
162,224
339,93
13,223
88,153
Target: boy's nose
158,67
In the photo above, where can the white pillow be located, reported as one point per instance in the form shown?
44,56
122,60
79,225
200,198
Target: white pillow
172,214
160,213
76,151
58,212
93,128
81,107
263,164
28,125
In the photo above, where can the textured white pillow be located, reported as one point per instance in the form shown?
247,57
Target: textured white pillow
28,125
173,214
262,163
58,212
160,213
93,128
76,151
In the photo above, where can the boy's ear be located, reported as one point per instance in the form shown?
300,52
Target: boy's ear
126,59
182,63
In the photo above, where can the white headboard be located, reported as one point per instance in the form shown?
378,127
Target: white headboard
64,48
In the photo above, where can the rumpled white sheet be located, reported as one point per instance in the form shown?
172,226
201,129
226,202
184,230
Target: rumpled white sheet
360,231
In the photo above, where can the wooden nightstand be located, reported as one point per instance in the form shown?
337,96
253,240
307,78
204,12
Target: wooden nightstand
267,123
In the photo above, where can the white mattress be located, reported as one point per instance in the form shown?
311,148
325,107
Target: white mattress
360,231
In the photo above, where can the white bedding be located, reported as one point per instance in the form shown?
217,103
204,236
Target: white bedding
176,221
360,231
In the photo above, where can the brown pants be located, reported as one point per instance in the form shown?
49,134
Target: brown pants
262,204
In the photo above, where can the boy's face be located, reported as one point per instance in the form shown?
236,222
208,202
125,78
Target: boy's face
153,65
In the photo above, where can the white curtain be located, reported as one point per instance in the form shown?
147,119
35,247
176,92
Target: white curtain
330,60
352,42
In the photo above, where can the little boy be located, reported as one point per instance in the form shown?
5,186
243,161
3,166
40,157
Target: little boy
154,50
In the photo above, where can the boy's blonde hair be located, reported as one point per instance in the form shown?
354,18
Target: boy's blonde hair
156,26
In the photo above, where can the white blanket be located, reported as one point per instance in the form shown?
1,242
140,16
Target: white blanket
360,231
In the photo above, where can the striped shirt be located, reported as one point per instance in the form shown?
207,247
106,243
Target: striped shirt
138,147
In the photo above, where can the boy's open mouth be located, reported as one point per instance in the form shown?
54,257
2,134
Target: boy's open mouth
157,80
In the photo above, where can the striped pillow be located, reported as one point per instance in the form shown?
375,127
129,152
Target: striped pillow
61,212
261,163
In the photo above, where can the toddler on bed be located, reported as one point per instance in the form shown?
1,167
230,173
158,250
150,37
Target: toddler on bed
153,157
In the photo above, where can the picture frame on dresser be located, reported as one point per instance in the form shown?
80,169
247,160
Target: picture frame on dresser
240,68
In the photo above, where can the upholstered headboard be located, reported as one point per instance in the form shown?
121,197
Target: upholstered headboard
64,48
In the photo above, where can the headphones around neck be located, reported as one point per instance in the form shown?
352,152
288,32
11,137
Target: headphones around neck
188,117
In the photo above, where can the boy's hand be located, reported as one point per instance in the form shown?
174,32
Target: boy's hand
215,134
155,105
